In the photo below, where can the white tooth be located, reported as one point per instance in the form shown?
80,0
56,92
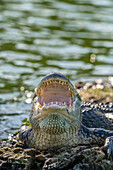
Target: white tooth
51,102
59,81
56,102
64,103
70,109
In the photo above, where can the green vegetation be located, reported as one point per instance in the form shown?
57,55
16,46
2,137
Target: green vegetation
26,122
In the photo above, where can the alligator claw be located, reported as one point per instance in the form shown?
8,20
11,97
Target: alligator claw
108,147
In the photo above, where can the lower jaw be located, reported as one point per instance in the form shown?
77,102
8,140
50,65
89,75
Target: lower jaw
53,110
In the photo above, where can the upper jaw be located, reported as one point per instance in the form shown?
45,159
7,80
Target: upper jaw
55,91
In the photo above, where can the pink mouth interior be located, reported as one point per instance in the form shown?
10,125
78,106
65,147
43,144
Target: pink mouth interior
56,93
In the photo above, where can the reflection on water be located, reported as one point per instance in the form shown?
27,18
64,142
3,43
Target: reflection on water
42,36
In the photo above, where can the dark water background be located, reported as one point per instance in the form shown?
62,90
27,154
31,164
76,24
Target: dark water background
74,37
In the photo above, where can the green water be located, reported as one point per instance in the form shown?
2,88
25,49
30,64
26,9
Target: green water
42,36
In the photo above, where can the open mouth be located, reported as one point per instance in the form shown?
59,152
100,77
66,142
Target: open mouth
56,94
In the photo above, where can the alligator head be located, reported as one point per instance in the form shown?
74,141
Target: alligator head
56,106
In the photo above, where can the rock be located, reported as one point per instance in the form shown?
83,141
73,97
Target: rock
16,156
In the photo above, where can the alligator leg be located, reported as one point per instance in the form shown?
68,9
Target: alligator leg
98,136
25,134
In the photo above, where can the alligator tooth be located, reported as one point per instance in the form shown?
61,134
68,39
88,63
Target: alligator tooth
62,83
71,92
35,90
64,103
70,109
47,83
37,93
40,91
73,95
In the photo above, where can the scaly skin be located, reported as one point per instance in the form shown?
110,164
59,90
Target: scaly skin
59,124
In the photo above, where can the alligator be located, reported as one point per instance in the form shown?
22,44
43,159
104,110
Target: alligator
59,119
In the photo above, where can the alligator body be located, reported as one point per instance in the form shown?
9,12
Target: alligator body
97,115
58,119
